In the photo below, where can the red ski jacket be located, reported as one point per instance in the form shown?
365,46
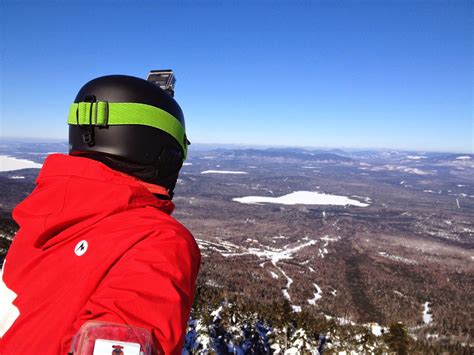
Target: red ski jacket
94,244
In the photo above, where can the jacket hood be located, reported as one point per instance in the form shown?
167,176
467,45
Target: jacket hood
74,193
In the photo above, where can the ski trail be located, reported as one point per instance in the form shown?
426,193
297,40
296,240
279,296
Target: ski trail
289,281
317,295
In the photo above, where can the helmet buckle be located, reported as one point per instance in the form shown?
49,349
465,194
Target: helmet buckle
88,138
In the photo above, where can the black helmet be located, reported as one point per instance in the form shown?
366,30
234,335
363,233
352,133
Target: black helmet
131,125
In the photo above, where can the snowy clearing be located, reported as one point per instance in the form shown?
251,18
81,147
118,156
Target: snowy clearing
303,198
415,157
11,164
427,316
402,168
222,172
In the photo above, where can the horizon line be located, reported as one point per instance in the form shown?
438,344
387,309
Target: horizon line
263,146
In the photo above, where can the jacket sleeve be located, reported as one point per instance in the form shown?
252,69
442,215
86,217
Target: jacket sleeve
152,287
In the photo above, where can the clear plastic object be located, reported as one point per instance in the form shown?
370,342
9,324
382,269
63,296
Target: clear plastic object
101,338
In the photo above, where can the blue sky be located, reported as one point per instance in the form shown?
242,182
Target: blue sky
360,74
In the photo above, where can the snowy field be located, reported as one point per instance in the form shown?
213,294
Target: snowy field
11,164
222,172
464,157
303,198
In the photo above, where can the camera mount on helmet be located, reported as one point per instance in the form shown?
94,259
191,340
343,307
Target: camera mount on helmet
164,79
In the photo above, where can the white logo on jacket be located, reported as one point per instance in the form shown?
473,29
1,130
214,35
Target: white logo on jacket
81,248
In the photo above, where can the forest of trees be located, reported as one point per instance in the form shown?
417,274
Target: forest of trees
252,325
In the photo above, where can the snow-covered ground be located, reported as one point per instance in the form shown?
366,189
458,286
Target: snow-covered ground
268,254
375,328
427,316
11,164
222,172
303,198
323,250
405,169
317,295
17,177
415,157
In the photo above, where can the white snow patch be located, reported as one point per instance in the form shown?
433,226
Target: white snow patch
187,164
427,316
296,309
303,198
402,168
416,171
275,276
464,157
11,164
17,177
415,157
376,329
457,203
317,295
217,313
223,172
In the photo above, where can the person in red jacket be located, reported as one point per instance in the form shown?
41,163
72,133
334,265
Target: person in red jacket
98,263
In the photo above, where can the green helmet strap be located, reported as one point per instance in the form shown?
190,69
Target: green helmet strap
103,113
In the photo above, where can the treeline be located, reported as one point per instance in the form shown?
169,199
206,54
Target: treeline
249,326
8,228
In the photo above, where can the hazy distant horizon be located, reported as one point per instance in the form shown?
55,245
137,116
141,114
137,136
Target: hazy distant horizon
205,146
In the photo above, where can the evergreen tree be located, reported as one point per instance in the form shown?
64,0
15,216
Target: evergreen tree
397,338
